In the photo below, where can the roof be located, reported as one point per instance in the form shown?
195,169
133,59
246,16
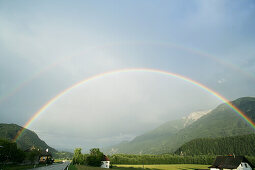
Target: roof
229,162
105,158
45,154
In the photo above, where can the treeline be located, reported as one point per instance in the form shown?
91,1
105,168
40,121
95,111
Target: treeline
238,145
62,155
161,159
165,159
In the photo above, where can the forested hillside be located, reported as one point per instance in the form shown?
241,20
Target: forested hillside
27,139
237,145
146,142
220,122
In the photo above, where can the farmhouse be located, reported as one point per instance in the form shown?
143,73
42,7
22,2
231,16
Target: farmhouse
231,162
46,158
105,162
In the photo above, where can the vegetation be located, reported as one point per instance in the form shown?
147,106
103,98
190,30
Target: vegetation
163,167
93,159
63,155
161,159
27,140
125,159
9,152
220,122
13,156
238,145
84,167
19,167
72,167
147,167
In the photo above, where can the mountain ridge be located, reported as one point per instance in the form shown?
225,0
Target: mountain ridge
219,122
27,139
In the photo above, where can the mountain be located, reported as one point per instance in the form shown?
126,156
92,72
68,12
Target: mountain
148,142
27,139
220,122
194,116
238,145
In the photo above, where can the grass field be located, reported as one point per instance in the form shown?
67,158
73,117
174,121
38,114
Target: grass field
148,167
165,167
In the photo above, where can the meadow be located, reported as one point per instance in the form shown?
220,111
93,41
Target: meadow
164,167
147,167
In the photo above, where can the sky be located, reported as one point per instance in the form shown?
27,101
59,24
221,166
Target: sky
48,46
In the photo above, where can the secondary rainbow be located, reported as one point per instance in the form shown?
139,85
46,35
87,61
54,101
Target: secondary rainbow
98,76
198,52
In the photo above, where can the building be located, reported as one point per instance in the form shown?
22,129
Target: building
231,162
46,158
105,162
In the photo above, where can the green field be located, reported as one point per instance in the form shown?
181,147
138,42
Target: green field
164,167
148,167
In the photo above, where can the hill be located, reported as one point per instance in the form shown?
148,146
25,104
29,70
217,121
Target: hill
238,145
220,122
27,140
148,142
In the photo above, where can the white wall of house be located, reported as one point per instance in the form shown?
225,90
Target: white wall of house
105,164
244,166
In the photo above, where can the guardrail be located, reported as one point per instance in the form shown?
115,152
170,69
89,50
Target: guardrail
67,166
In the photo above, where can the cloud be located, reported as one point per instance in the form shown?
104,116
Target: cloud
220,81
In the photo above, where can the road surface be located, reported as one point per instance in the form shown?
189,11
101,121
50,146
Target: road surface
56,166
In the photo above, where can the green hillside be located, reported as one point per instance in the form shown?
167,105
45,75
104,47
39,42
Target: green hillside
146,142
26,140
238,145
220,122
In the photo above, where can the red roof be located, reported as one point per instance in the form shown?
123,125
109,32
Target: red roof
105,158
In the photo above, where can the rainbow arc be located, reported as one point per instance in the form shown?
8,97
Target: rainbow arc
148,70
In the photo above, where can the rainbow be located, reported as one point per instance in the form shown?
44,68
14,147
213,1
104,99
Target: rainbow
98,76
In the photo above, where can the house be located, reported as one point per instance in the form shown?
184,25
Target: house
105,162
231,162
46,158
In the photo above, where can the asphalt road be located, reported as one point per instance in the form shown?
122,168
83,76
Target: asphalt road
56,166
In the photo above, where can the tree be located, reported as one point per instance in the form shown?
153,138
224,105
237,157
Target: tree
33,155
10,152
95,157
78,157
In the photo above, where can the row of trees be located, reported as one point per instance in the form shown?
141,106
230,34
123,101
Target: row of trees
161,159
165,159
93,159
